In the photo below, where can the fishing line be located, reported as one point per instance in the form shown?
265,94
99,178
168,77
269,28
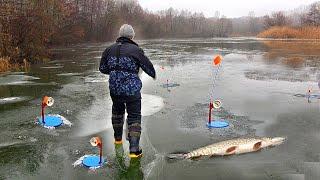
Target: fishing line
214,80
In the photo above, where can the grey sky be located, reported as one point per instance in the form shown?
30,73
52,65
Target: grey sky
229,8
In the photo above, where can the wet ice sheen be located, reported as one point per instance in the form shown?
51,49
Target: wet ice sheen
9,100
256,87
17,79
97,117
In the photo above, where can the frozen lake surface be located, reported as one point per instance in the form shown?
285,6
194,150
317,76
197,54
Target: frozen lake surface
257,84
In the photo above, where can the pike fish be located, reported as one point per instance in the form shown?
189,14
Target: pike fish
230,147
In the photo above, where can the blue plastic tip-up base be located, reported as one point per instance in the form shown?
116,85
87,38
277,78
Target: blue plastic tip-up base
169,85
51,121
92,161
218,124
316,96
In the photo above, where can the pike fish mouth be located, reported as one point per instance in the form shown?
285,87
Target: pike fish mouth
278,140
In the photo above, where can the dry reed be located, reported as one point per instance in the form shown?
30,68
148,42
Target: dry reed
7,65
308,32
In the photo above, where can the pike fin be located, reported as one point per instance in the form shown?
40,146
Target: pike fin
195,158
231,150
257,146
176,156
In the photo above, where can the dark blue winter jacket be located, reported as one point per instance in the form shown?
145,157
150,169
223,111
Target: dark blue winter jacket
122,61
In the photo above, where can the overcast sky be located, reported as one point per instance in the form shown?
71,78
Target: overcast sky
229,8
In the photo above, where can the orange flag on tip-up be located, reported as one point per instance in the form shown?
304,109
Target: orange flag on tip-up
217,60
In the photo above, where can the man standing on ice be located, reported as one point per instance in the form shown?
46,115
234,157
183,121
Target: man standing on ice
122,62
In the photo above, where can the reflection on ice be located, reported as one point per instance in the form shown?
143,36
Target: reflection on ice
151,104
9,100
291,76
80,160
96,78
17,141
51,67
97,117
94,52
69,74
17,79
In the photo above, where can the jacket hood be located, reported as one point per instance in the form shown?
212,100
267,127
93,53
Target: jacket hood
126,40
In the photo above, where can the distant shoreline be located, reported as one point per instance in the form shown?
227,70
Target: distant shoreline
286,32
272,34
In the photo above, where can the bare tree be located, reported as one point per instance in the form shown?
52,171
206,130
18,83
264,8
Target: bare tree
313,16
224,26
280,19
252,22
277,19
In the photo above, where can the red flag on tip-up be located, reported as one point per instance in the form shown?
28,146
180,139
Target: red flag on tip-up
217,60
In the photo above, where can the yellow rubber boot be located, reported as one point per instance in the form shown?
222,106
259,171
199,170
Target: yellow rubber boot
137,154
118,142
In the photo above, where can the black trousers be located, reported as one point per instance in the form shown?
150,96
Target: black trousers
132,104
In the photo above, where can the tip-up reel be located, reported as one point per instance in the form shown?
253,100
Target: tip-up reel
217,104
47,101
216,123
95,141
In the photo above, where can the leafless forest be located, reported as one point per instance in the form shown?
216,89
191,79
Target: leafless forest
28,28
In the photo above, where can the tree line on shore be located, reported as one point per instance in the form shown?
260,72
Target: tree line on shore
303,23
28,28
